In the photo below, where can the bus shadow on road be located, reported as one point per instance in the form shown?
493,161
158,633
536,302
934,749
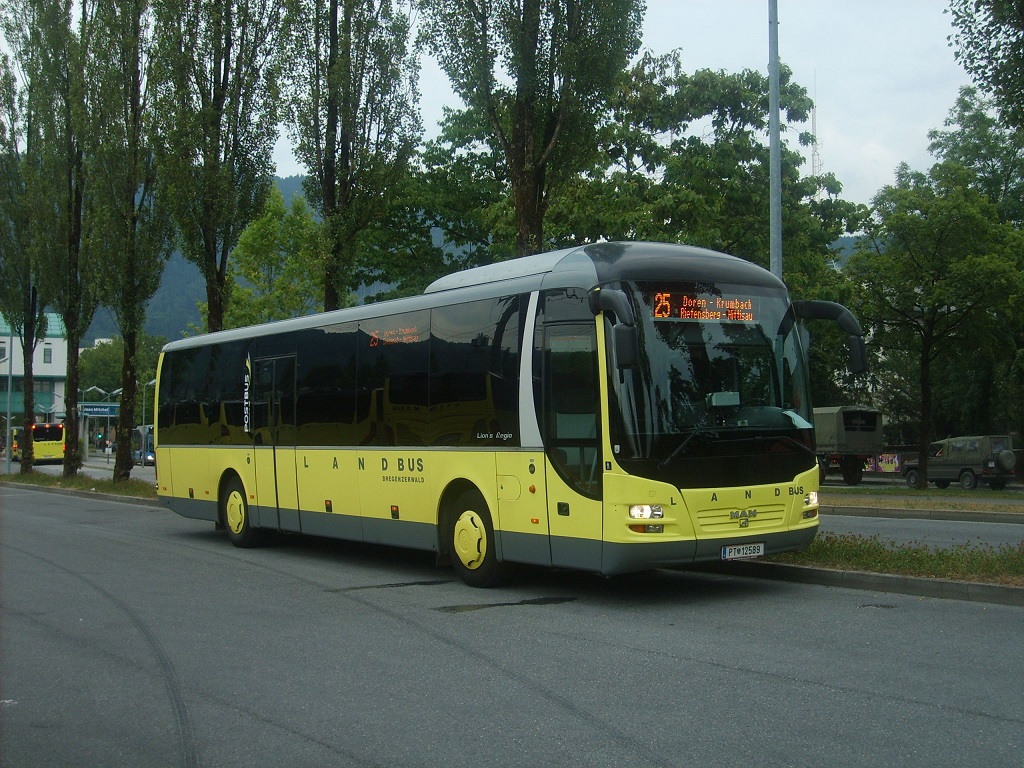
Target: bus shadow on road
390,567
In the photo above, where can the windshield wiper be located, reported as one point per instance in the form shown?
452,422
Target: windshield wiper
681,448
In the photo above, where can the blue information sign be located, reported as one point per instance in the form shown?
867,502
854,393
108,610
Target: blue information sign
99,409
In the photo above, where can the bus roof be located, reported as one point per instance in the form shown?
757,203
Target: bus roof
599,263
584,266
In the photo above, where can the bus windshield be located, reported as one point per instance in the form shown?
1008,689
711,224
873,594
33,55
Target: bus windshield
720,394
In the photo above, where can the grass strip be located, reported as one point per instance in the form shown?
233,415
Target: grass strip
131,487
975,562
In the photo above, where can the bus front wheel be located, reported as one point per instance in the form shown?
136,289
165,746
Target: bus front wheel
235,514
471,539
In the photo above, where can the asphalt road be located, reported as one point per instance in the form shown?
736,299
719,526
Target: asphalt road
935,534
134,637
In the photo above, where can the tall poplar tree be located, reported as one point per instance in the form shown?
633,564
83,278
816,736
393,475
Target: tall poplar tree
128,214
53,38
540,70
23,215
217,98
353,117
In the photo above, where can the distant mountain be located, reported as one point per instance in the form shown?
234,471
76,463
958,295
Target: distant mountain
289,186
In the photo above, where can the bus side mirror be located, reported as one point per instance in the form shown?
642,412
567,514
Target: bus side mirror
627,346
624,335
830,310
858,355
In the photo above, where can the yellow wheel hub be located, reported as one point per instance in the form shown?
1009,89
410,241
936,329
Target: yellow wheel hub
235,512
470,540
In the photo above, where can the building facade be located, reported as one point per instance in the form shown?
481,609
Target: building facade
49,370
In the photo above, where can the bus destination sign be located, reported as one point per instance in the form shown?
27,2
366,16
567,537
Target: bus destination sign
715,308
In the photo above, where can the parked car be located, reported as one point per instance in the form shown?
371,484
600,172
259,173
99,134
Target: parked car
967,461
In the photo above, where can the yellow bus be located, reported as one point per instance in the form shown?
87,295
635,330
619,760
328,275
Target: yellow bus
47,443
613,407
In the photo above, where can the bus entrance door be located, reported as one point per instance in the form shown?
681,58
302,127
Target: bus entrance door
572,436
273,416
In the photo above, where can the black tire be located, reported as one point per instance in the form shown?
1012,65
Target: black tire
853,471
943,484
968,480
234,511
471,542
997,485
912,475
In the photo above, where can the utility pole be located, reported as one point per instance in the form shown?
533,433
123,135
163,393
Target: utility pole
774,147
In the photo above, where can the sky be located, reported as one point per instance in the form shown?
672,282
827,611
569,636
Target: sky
880,72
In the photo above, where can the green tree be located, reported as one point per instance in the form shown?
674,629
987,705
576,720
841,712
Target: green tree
993,398
539,71
129,214
19,219
975,138
273,270
101,368
988,40
938,270
217,99
53,44
685,158
463,192
353,117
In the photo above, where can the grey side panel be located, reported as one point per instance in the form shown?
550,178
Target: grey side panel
332,526
529,548
197,509
581,554
290,520
629,558
400,533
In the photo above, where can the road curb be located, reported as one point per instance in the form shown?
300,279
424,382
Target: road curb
84,494
874,582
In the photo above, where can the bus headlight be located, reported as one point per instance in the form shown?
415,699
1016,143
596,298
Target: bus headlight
646,511
811,499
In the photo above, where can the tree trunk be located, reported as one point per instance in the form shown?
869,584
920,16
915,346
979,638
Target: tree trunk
72,424
924,437
123,461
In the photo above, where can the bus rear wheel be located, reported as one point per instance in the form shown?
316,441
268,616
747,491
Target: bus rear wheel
234,510
471,542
